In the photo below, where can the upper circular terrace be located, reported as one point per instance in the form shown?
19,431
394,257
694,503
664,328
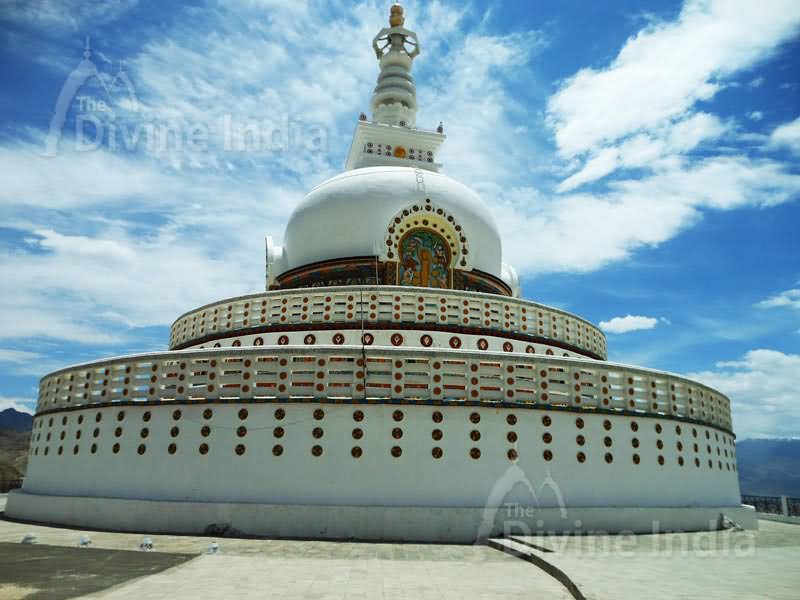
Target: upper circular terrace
384,307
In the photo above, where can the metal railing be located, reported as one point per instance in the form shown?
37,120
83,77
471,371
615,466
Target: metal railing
777,505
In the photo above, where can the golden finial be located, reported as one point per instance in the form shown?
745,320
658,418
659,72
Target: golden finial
396,18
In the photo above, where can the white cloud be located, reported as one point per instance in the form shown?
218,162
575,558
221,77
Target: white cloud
787,136
755,115
604,162
640,112
789,299
666,68
92,289
688,133
756,82
26,405
584,232
763,391
628,323
721,183
471,93
73,178
652,150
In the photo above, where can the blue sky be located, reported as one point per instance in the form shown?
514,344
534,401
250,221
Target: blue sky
641,160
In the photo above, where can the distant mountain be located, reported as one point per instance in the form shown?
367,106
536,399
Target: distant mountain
769,467
16,420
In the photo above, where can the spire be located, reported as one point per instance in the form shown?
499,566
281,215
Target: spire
391,138
394,101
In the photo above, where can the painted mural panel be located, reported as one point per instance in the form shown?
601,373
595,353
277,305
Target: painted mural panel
424,259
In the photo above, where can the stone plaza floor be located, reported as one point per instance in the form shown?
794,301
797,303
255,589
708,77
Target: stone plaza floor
727,564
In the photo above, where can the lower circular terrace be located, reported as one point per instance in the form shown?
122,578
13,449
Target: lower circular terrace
381,373
430,442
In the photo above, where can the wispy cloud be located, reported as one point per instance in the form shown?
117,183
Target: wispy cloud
65,15
787,299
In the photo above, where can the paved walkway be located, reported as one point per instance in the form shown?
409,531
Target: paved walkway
735,565
729,564
315,578
294,569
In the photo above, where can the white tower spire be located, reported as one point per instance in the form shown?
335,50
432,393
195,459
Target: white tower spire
391,137
394,101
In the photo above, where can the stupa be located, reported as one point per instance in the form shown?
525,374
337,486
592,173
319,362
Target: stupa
389,384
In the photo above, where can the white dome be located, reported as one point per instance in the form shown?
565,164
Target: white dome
348,215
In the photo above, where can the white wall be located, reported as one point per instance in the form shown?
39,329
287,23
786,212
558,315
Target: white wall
377,478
